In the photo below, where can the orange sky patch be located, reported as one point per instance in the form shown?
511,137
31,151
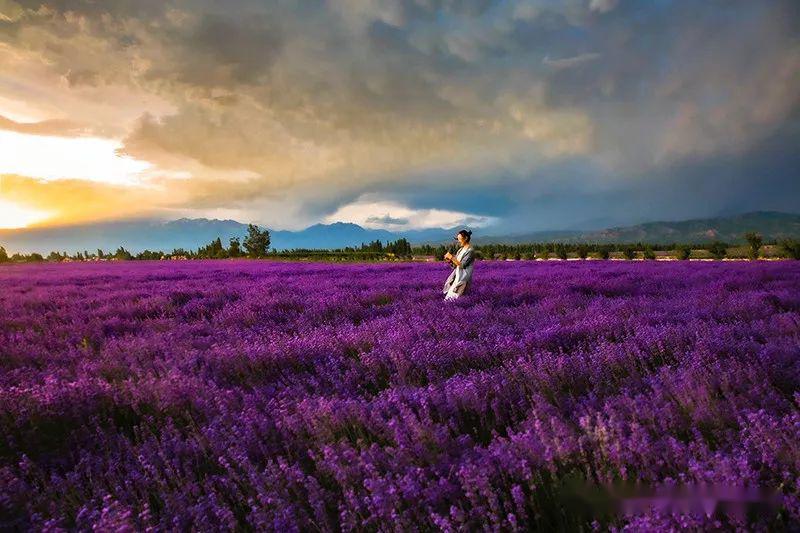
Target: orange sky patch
74,201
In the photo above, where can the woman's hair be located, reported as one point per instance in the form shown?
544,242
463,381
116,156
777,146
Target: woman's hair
466,233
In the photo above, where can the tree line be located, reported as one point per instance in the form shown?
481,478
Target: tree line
789,248
256,245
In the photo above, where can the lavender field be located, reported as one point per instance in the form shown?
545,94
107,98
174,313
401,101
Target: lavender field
258,395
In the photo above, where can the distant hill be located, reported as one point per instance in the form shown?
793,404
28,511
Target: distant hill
770,224
138,235
341,234
134,235
146,234
730,229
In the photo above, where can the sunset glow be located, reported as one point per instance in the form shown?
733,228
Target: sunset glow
14,216
52,158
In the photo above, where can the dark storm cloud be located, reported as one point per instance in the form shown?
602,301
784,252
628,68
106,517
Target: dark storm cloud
535,112
222,50
386,219
572,195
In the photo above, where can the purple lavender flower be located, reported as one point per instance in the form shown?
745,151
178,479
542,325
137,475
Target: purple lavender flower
259,395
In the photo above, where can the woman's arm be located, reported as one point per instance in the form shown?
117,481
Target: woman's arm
466,259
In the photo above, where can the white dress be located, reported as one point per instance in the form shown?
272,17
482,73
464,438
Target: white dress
460,277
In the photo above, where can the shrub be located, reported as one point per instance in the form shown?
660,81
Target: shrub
629,252
718,249
683,252
649,253
791,248
754,240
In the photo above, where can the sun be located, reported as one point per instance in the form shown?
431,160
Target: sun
14,216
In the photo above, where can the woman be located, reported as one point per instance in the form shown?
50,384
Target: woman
458,281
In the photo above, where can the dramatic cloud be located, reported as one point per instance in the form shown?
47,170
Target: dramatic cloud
364,211
46,127
291,113
387,220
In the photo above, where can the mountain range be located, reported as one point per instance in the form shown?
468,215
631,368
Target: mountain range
731,229
138,235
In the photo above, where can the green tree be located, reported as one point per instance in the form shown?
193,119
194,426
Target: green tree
122,254
791,248
216,249
257,241
3,255
400,247
426,249
649,253
604,252
374,246
213,250
629,252
561,250
718,249
234,247
683,252
583,251
149,255
755,241
100,254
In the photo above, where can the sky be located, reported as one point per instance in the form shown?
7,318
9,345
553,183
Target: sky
503,116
